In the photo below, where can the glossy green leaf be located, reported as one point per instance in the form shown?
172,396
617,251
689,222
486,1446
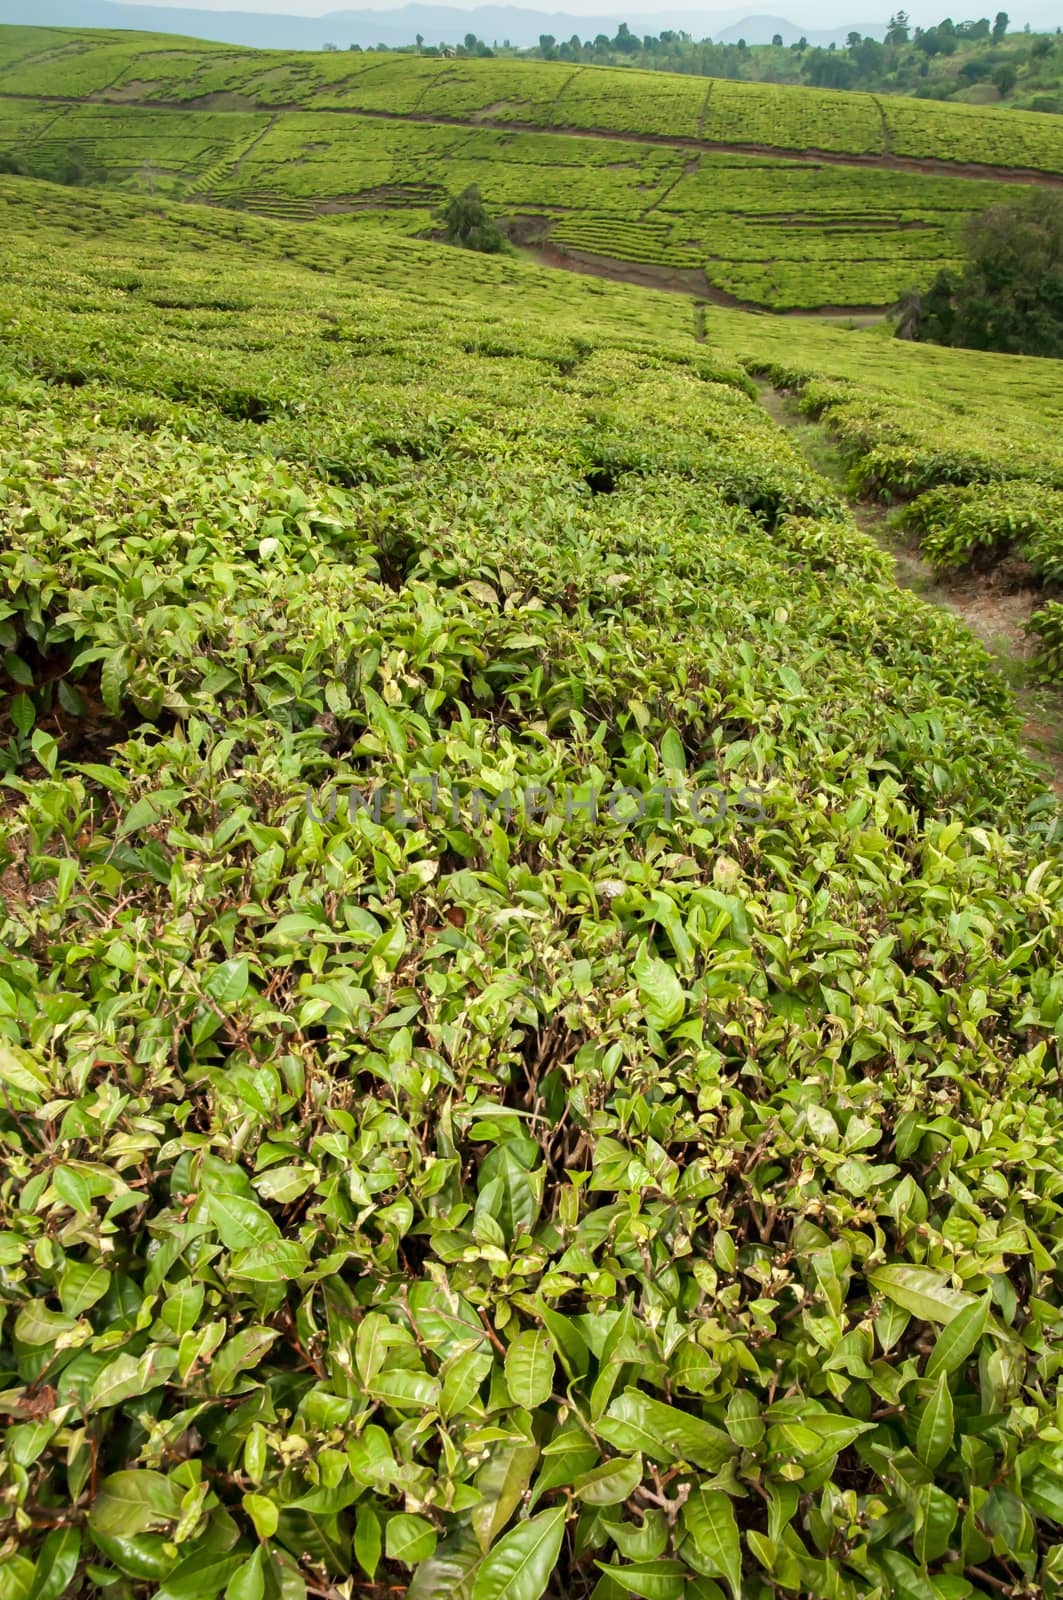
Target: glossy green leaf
248,1582
409,1539
530,1368
660,991
241,1224
56,1564
205,1572
936,1516
244,1350
501,1481
959,1339
368,1539
933,1438
228,983
520,1566
653,1580
924,1293
125,1377
131,1502
635,1421
709,1518
462,1377
610,1483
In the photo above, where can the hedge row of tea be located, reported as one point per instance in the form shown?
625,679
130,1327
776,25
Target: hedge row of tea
983,524
529,998
974,494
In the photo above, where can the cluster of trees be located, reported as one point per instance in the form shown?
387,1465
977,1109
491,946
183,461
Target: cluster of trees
466,223
470,46
898,63
866,62
57,167
1009,294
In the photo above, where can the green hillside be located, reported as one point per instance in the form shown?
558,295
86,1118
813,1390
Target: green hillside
540,94
781,197
530,1001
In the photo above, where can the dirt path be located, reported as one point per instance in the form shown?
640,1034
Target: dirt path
677,280
995,613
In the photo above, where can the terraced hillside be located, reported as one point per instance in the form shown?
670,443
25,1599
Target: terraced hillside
787,198
409,1185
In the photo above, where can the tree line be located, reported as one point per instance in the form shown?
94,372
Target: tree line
1008,294
899,63
937,62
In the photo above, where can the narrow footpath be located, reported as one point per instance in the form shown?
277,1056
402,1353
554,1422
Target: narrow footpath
994,614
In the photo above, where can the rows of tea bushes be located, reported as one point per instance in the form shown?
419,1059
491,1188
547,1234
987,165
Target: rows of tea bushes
533,93
756,113
790,281
937,416
900,450
974,495
282,136
640,241
649,1189
367,245
967,136
778,233
983,524
1046,626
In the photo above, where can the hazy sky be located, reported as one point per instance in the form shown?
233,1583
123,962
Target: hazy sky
862,10
320,8
722,13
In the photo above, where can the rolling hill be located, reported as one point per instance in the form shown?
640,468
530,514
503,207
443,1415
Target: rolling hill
792,199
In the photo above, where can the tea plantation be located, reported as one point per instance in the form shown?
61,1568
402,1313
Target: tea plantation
530,987
789,198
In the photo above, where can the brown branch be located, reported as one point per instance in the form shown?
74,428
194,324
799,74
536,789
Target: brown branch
987,1577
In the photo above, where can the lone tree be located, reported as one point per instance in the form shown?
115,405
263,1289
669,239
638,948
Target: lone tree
468,224
1005,77
1009,294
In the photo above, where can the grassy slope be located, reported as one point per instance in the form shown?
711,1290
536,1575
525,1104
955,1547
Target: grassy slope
351,1166
775,231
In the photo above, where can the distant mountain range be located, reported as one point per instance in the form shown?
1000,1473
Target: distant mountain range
449,24
437,24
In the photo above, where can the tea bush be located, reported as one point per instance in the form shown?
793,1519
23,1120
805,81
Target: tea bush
992,521
1046,626
654,1190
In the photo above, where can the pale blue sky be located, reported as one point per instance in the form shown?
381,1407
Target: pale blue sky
803,13
321,8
